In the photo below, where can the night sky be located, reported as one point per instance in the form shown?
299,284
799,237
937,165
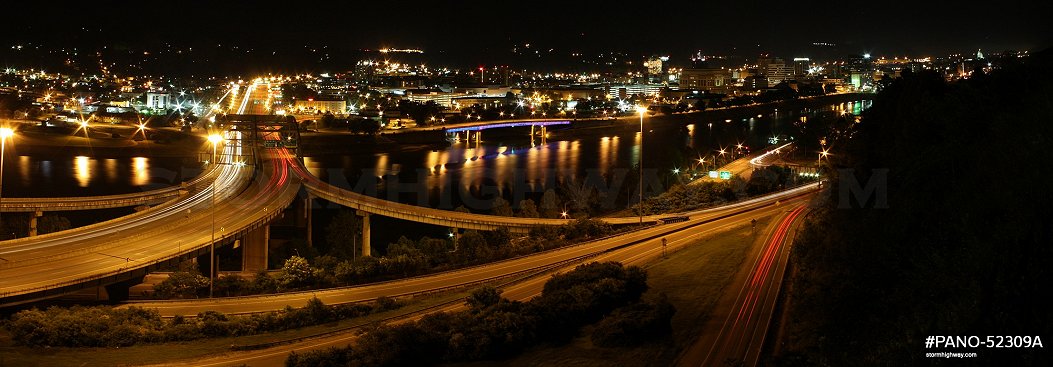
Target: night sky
483,31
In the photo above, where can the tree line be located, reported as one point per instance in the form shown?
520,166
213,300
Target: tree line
954,240
104,326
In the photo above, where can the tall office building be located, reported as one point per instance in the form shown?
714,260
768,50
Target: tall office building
801,65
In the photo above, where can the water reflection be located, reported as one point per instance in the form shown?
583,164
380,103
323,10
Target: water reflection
511,161
381,165
23,169
637,139
82,170
140,171
111,170
691,136
57,176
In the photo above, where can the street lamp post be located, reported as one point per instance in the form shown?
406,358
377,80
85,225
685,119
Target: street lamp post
214,139
641,110
822,154
5,133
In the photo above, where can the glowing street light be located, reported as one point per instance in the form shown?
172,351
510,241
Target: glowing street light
641,110
5,133
214,139
822,154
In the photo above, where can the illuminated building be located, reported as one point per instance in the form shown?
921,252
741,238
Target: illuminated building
801,65
338,106
157,100
711,80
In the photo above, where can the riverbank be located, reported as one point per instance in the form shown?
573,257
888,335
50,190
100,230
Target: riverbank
714,115
340,142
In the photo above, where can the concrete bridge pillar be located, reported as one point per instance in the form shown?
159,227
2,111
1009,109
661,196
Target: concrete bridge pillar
365,233
254,248
33,222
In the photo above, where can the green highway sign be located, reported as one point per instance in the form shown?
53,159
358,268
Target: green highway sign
725,175
713,174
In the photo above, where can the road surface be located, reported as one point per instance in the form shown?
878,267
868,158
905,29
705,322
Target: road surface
52,264
635,253
735,334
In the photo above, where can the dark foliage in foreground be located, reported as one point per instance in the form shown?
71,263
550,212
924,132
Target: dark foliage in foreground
111,327
495,328
963,247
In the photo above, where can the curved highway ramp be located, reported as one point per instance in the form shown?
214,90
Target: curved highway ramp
127,248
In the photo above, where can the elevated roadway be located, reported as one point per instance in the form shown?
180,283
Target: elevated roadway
474,275
152,197
634,252
123,249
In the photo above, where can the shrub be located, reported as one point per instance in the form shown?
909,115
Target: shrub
263,283
109,327
295,273
187,282
635,324
495,328
229,285
386,303
483,297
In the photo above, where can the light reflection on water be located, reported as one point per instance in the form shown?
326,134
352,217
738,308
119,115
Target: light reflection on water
50,176
140,171
82,170
111,170
508,160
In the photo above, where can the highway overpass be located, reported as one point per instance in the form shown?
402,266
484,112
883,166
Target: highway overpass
481,273
118,252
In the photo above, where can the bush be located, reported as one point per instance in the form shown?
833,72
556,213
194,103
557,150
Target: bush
635,324
385,303
263,283
483,297
229,285
295,273
109,327
187,282
498,328
585,228
84,326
